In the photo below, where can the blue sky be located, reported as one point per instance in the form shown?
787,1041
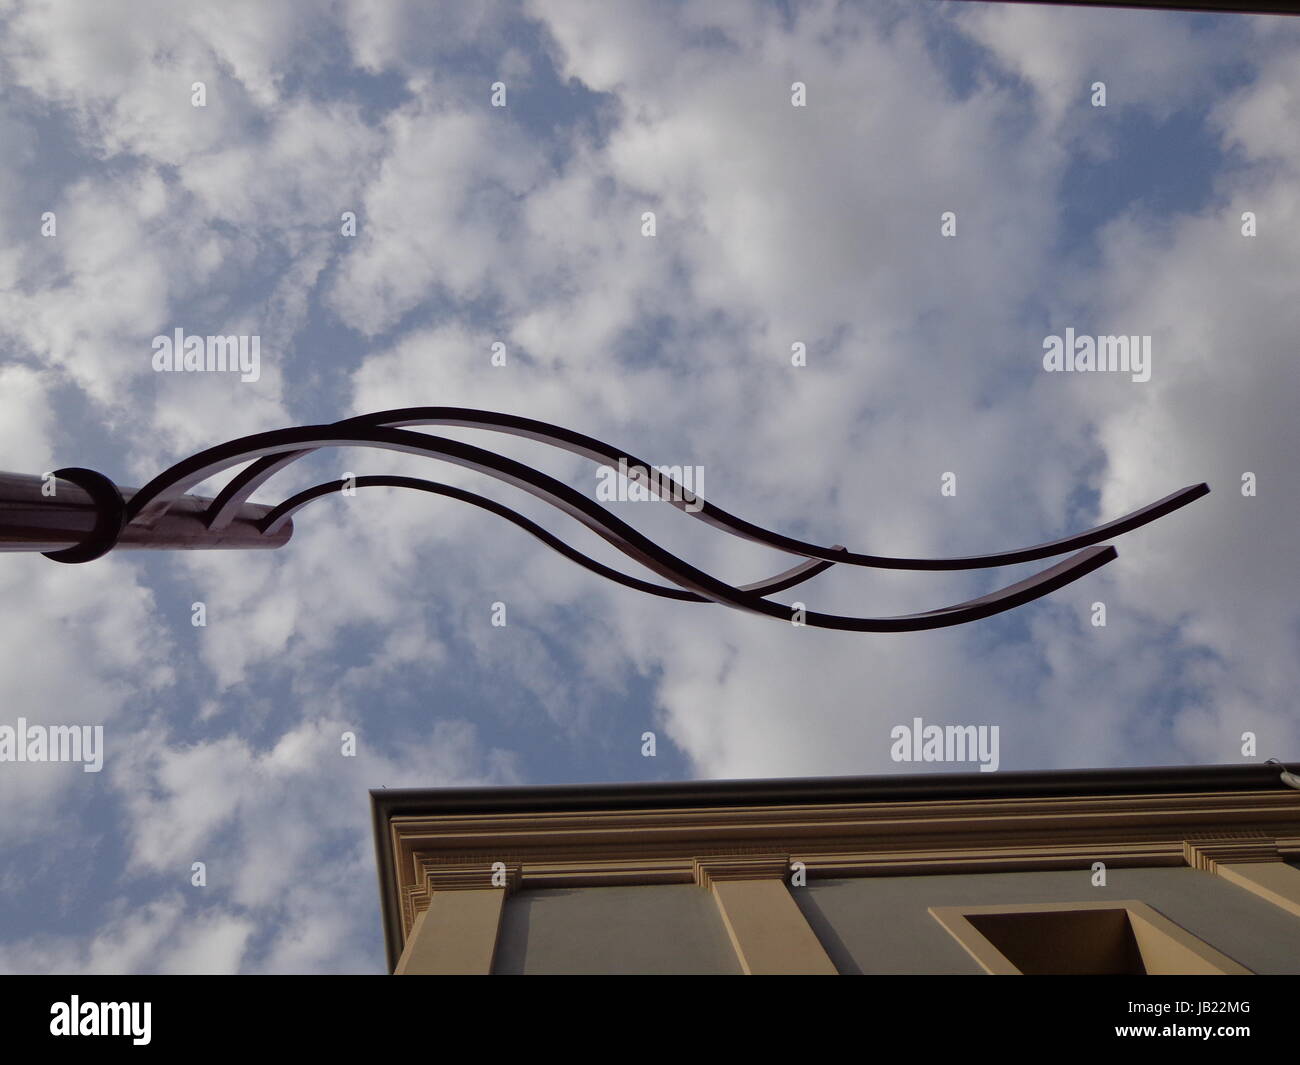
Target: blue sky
522,224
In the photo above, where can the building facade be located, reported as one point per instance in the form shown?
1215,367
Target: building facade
1155,871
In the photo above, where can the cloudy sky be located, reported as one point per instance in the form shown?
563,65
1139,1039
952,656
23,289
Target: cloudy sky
522,225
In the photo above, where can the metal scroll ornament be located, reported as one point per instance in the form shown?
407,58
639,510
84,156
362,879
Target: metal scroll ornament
130,521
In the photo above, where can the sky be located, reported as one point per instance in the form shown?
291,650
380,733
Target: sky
523,225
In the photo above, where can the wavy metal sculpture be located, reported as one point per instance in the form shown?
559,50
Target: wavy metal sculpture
273,451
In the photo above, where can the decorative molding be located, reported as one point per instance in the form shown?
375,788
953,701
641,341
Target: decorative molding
714,869
468,877
438,876
1208,854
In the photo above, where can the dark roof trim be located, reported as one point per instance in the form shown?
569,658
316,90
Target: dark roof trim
388,803
918,786
1234,7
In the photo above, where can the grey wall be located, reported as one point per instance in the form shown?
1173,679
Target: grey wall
881,924
669,928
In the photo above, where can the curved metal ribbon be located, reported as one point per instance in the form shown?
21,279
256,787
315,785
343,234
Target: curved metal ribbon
157,495
779,583
247,481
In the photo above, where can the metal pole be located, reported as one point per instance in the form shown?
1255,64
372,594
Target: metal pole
31,519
